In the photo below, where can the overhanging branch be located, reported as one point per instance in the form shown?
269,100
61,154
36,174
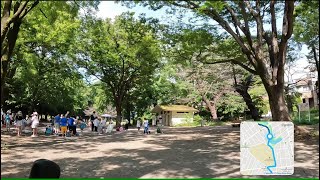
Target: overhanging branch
235,62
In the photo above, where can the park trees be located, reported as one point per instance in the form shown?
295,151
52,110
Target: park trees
121,54
265,50
194,48
41,74
11,20
306,29
37,35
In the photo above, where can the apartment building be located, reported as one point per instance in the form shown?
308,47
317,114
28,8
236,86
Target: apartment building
309,89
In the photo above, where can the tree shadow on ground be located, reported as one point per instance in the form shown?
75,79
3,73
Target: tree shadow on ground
204,152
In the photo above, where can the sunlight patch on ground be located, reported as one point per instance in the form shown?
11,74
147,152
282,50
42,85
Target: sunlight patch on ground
165,173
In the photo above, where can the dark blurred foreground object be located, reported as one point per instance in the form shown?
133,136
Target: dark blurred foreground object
43,168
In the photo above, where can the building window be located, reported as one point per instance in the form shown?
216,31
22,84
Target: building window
303,100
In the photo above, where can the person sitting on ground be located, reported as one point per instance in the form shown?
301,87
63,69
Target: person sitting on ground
43,168
48,130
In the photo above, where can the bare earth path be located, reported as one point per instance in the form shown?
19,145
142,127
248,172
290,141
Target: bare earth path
205,152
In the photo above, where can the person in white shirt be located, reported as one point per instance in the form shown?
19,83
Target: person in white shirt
146,127
110,126
103,126
96,123
138,124
34,124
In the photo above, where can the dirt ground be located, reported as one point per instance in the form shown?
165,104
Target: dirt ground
201,152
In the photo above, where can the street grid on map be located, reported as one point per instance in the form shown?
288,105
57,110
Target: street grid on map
253,135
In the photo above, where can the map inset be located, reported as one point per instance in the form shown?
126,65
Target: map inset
267,148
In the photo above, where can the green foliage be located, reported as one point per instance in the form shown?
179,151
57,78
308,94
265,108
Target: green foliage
44,76
304,117
259,97
306,27
123,54
187,123
231,106
197,119
214,123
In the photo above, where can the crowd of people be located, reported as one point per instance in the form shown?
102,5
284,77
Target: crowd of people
66,125
20,122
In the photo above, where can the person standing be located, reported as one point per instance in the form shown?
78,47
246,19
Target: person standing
57,124
92,118
2,118
34,124
138,124
71,125
63,125
8,119
126,125
82,125
19,119
102,125
96,123
146,127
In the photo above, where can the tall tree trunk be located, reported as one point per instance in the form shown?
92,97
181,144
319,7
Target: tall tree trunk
119,111
277,103
315,58
212,107
248,100
288,99
242,89
317,66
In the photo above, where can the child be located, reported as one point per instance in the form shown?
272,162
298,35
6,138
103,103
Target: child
82,126
49,130
8,119
159,130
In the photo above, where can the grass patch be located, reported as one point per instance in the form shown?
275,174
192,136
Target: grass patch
215,123
304,117
186,125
